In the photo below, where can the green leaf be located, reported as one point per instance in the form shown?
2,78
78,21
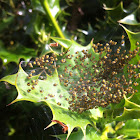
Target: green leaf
63,42
130,111
10,79
115,13
72,119
37,90
91,134
53,5
131,105
130,129
37,6
49,6
136,97
129,114
134,39
111,114
41,91
15,53
130,19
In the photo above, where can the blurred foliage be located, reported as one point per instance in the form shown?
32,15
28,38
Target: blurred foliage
25,30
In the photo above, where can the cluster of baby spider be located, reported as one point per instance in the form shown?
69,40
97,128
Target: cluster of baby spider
92,80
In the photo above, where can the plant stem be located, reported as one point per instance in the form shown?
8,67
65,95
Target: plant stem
53,20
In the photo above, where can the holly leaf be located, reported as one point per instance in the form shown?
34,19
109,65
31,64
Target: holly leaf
130,19
129,114
54,94
15,53
130,129
91,133
134,39
54,7
115,13
63,42
130,111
